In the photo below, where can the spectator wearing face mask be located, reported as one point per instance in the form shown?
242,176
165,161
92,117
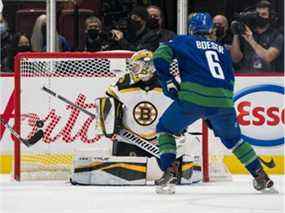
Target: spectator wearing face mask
97,39
6,38
93,29
20,43
138,35
155,22
39,35
221,27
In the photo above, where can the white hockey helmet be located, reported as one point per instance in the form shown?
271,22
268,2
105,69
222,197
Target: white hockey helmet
142,67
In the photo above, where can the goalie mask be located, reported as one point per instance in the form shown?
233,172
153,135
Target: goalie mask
142,67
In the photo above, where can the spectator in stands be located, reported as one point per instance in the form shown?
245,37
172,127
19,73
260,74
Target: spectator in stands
97,39
93,29
39,35
20,43
6,38
155,22
221,26
258,48
138,35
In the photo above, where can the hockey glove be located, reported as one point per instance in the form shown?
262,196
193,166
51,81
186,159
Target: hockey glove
171,88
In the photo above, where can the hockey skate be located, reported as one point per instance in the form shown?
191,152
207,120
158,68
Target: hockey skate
166,184
263,183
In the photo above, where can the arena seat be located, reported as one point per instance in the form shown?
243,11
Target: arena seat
66,26
25,19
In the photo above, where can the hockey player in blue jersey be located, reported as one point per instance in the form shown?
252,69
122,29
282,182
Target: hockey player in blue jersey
205,91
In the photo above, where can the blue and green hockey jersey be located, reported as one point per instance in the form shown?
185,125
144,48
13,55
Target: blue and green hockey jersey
206,72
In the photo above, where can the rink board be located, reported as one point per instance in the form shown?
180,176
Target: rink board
265,133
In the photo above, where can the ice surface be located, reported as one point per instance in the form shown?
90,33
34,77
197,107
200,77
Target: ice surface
59,197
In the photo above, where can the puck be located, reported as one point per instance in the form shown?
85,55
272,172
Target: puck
39,123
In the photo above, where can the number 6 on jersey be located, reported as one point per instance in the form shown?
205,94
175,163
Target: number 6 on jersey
214,65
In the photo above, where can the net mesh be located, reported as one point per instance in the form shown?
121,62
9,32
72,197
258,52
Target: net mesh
76,67
80,78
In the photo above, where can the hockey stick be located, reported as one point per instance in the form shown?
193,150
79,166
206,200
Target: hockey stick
144,144
28,142
125,134
49,91
60,97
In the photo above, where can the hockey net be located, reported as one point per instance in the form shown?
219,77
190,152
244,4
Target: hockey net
80,77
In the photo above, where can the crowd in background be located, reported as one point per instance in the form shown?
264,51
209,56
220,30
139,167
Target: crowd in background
255,44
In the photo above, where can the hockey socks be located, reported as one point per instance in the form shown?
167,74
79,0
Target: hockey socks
167,149
247,156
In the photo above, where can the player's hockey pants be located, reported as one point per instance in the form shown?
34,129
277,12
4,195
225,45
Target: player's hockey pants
179,115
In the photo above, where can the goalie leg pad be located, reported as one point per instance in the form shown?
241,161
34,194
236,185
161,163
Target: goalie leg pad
191,170
109,171
121,148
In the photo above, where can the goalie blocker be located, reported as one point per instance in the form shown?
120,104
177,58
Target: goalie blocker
109,116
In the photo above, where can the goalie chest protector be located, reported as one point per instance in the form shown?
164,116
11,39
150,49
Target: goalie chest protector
142,107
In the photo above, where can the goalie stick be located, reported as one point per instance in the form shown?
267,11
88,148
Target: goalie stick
125,134
60,97
28,142
144,144
49,91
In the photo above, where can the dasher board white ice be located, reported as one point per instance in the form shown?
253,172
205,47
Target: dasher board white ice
58,197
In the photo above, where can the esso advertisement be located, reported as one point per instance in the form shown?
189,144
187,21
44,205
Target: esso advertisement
261,114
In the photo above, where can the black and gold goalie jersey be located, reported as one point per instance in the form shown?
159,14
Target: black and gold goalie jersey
144,103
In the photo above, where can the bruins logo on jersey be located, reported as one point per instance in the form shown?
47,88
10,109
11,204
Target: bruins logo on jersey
145,113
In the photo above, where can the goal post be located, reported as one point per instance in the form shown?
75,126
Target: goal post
205,153
81,77
17,143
